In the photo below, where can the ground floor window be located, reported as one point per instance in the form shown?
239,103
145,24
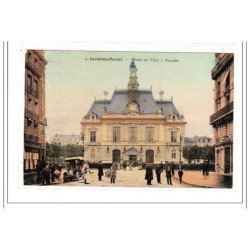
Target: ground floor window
116,155
150,156
92,153
174,154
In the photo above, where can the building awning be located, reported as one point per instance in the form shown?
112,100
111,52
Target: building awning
132,151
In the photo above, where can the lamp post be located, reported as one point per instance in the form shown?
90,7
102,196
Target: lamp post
180,147
83,143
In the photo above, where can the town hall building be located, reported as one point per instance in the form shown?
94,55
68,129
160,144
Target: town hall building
133,126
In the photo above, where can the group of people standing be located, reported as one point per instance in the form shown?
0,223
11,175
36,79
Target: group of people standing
170,171
49,173
100,172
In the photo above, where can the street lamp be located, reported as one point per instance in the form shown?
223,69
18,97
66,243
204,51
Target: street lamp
83,143
180,147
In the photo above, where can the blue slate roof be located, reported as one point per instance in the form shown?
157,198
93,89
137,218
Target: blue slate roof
119,101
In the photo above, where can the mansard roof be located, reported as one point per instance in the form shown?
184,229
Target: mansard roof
118,103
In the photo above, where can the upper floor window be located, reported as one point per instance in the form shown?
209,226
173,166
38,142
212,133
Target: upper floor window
149,134
218,89
92,136
173,136
29,81
116,135
227,82
132,134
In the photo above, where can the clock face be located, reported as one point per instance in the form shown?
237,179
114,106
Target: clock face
133,107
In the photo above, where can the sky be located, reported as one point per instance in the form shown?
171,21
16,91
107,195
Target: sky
75,78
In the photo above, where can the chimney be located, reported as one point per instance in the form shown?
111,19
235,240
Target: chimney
105,93
161,95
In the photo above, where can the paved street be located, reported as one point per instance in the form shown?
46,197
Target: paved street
134,178
196,178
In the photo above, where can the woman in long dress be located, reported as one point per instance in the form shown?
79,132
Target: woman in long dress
113,173
86,173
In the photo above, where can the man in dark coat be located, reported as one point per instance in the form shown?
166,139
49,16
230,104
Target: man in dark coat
149,174
158,173
100,171
169,175
161,166
173,168
52,171
180,174
124,165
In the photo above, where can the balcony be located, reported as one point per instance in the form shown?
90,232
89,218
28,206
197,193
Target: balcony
30,138
222,63
31,115
34,68
221,113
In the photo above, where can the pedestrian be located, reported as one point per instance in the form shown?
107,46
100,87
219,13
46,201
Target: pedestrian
169,175
57,174
130,166
161,166
180,174
39,173
86,173
149,174
207,167
124,165
52,171
204,169
100,171
173,168
158,173
218,167
46,175
113,173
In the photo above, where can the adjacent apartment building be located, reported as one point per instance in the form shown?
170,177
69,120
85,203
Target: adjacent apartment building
34,113
67,139
222,119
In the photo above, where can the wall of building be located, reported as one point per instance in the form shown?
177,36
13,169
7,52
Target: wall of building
104,145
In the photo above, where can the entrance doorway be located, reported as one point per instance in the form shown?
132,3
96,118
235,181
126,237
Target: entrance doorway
150,156
132,159
227,160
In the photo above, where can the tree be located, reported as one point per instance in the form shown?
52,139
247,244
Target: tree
192,153
197,152
208,153
187,153
54,150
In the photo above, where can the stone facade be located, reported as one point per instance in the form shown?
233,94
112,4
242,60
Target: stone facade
67,139
222,119
133,126
34,113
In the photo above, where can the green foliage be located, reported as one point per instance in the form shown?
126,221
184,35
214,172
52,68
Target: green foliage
187,153
208,153
195,153
58,151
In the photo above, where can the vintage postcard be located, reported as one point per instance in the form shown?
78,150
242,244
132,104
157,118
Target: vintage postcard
128,119
148,122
